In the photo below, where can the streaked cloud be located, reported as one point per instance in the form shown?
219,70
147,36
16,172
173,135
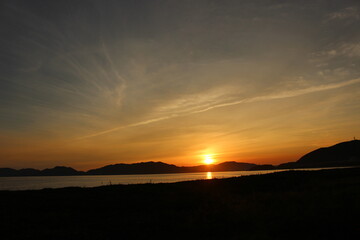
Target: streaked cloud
201,108
346,13
139,80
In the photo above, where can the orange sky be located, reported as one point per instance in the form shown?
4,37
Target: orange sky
123,82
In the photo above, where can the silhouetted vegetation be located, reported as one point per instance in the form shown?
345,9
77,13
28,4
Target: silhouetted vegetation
285,205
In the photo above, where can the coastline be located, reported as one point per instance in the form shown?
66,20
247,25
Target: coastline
313,204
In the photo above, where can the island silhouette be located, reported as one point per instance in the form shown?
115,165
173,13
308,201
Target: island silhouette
338,155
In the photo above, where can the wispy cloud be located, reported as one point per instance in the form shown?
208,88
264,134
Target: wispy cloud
279,95
346,13
78,71
349,49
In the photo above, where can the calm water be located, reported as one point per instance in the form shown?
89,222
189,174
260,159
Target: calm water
27,183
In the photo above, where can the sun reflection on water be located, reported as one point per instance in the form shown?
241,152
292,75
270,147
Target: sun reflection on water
209,175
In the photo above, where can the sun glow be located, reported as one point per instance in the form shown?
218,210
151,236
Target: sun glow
208,159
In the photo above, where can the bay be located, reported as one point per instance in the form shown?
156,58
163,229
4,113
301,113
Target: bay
41,182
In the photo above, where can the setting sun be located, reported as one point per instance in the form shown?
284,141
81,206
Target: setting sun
208,159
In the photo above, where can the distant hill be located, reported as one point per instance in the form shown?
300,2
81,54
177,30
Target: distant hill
263,167
56,171
134,168
341,154
233,166
29,172
5,172
160,167
60,171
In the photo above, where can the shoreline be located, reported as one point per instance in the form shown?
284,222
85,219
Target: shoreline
87,181
320,204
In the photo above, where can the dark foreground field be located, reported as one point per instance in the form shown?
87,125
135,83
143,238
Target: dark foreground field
287,205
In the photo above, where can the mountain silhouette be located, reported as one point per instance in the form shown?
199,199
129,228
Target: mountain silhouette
135,168
29,172
341,154
263,167
56,171
234,166
60,171
160,167
5,172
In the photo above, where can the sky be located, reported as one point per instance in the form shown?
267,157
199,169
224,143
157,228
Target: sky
91,83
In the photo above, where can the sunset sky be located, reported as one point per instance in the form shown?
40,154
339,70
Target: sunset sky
90,83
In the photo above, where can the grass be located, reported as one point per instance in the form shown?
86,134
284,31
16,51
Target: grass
285,205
